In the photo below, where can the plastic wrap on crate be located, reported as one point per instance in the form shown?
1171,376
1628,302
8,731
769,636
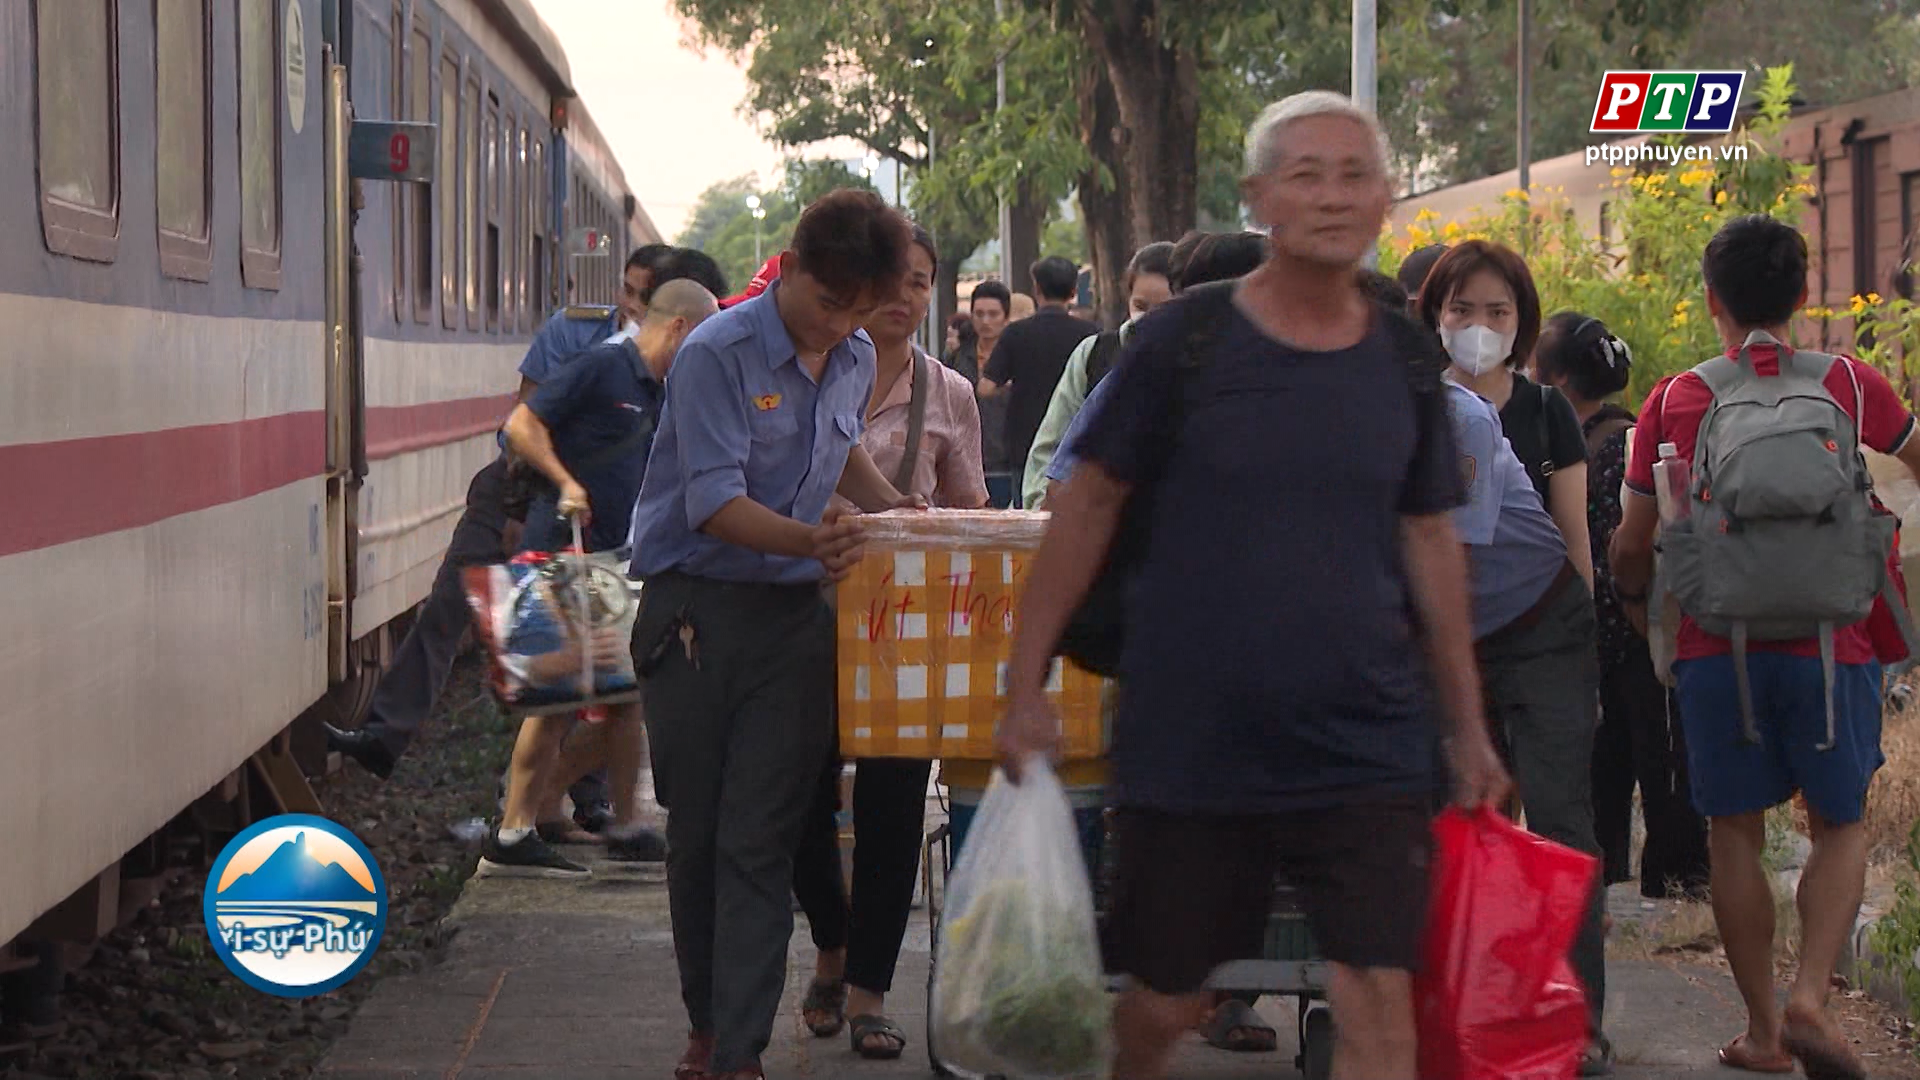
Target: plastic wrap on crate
925,625
527,615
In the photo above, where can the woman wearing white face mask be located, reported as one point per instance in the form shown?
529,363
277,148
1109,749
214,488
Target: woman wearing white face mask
1480,298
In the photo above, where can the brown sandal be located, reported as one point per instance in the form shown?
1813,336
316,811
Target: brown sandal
1740,1054
699,1055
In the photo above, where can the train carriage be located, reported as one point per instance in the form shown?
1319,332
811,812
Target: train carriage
242,394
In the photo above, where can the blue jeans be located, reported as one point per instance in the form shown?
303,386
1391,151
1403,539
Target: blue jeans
1089,821
1002,492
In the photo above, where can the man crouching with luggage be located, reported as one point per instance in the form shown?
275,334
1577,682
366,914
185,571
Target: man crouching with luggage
1275,714
589,430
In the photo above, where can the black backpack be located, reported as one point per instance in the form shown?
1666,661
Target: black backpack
1096,633
1105,348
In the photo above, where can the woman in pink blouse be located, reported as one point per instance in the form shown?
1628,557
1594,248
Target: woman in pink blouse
923,430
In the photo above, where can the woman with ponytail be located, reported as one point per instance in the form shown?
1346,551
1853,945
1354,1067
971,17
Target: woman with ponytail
1639,741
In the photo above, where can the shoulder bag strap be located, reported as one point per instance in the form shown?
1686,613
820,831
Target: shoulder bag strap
916,424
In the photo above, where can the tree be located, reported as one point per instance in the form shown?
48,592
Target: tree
871,71
726,229
717,206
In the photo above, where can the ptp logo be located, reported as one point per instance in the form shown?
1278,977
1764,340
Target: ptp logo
1702,101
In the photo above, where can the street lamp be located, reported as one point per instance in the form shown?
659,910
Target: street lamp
759,213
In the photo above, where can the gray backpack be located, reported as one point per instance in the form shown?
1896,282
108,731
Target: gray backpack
1782,540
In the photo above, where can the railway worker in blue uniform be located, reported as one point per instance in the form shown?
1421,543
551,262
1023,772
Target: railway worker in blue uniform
1533,629
735,639
589,430
409,688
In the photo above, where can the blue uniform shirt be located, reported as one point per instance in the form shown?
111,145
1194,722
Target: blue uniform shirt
566,334
1068,453
1514,548
570,332
599,401
743,418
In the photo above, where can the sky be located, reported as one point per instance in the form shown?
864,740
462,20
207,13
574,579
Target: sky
631,51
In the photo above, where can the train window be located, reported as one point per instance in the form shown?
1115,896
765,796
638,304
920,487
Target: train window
491,147
399,201
260,94
181,30
517,296
420,109
447,184
537,285
470,195
79,130
1903,273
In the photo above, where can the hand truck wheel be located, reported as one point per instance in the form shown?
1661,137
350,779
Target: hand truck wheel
1316,1043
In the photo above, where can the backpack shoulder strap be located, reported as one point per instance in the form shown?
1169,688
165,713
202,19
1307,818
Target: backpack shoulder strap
1106,346
916,423
1721,374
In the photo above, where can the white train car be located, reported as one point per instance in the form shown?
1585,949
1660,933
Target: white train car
231,452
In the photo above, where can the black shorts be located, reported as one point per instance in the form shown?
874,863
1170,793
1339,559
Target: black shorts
1193,891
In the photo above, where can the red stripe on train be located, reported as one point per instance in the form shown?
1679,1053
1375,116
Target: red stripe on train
73,489
404,429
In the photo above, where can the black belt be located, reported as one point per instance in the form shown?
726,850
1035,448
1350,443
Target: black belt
1532,616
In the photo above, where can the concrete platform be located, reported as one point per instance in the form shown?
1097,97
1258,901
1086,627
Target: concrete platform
577,980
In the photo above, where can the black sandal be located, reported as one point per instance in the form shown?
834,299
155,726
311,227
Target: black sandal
1237,1028
829,998
866,1027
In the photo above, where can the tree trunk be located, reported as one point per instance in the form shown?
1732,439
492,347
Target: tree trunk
1029,217
1106,201
1158,89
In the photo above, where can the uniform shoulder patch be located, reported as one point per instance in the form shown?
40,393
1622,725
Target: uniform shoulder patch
588,312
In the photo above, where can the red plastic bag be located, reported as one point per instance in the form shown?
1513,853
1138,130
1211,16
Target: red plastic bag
1496,997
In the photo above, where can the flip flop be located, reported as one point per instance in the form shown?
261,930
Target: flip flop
829,998
1254,1035
1819,1056
1740,1054
866,1027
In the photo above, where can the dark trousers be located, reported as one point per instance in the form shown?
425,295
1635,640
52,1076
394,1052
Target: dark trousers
410,687
1640,744
889,823
1541,679
740,731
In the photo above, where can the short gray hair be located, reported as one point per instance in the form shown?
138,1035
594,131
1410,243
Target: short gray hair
1263,155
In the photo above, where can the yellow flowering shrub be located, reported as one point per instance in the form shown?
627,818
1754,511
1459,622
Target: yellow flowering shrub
1645,284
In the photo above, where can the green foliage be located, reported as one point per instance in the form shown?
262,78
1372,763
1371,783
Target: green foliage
1648,289
1067,238
1896,936
724,227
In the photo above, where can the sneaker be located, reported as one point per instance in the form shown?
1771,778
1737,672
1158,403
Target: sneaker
531,857
641,845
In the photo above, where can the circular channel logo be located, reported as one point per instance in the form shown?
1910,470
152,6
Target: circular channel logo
295,905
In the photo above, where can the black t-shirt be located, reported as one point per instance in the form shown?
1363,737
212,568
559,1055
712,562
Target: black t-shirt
1031,355
1543,430
1270,662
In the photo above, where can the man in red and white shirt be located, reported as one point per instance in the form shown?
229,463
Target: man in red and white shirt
1756,278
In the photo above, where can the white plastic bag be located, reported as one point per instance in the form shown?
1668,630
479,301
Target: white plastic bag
1019,988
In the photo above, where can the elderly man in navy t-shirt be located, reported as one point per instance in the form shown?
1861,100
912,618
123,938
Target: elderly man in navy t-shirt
1277,714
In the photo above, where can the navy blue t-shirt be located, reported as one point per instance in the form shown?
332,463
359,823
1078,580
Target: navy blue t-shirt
1270,661
595,402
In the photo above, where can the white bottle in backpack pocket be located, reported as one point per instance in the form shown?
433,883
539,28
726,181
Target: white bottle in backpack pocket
1671,476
